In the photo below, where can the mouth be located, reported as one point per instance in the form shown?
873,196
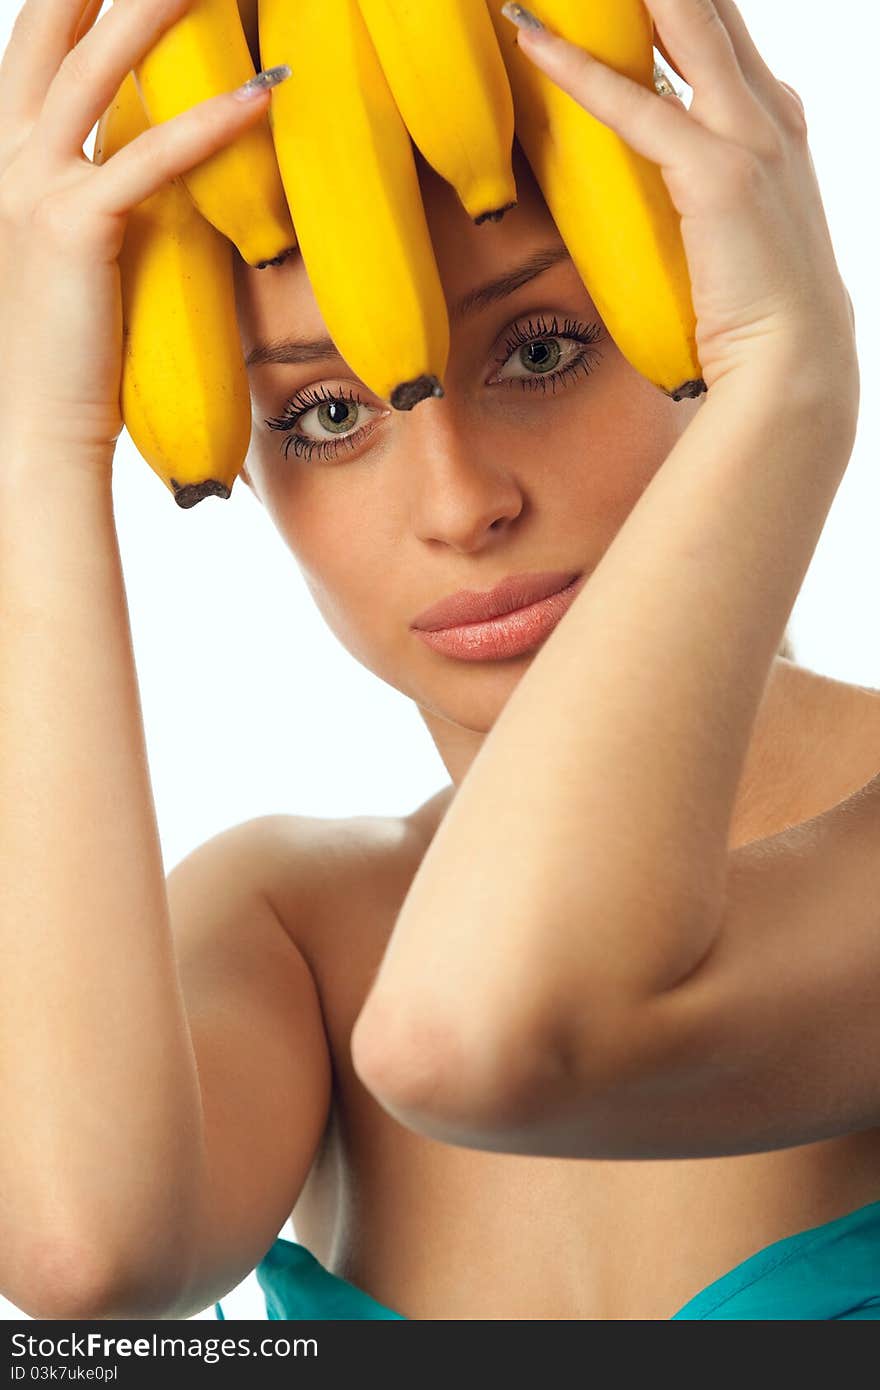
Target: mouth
476,605
519,629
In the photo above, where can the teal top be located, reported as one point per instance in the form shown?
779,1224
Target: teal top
828,1271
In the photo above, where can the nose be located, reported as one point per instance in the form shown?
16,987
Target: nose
461,491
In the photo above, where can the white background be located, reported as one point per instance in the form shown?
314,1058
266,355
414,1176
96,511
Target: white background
251,706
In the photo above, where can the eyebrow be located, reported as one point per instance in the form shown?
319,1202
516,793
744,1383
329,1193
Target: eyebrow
301,351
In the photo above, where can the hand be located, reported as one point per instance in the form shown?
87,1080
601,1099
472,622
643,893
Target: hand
63,219
738,168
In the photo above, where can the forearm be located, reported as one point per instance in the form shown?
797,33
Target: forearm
99,1095
581,865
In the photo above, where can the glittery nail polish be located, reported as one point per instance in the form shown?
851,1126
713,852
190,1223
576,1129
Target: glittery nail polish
521,17
270,77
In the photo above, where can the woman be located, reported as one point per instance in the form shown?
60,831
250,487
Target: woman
638,928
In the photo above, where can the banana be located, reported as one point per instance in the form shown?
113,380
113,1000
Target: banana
610,204
350,177
249,13
447,75
184,394
238,188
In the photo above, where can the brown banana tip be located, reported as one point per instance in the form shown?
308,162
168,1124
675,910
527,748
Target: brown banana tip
409,393
188,494
495,215
689,391
276,260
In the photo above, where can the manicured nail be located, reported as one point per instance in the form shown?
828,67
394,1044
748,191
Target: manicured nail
521,17
257,84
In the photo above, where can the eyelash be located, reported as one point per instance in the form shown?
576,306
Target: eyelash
519,336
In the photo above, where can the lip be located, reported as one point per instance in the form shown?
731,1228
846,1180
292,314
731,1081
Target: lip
518,628
477,606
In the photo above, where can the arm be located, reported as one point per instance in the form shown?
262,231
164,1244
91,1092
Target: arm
258,1033
600,876
579,876
162,1040
103,1158
103,1165
773,1041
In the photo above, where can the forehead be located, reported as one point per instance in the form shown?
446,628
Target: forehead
467,255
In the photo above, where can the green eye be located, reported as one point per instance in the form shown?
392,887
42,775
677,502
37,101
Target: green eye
544,354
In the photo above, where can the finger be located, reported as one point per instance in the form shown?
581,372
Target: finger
683,21
171,148
43,34
90,74
796,96
658,127
693,34
758,74
90,14
661,48
725,103
702,50
674,98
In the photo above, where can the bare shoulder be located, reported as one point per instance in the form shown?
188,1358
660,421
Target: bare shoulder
825,739
277,922
316,869
863,699
858,727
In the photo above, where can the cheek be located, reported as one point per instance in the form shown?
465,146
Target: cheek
342,557
624,445
310,514
360,613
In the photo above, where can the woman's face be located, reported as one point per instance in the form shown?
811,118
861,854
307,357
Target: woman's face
531,461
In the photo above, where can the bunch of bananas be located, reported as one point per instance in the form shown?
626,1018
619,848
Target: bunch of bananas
372,78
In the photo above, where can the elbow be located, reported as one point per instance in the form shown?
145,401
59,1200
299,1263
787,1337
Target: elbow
465,1081
552,1086
74,1280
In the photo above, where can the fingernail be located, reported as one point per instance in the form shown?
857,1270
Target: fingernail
270,77
521,17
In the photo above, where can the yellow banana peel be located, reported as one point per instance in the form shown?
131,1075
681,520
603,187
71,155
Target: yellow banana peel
447,75
185,399
350,177
610,204
237,189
